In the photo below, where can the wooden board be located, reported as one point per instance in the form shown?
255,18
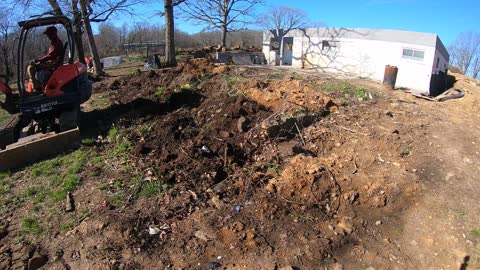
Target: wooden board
33,148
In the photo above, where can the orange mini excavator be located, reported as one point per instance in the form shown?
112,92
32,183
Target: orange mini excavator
45,120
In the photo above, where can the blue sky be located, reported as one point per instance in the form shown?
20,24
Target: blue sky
445,18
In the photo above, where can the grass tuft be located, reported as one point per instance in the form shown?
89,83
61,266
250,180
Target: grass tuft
46,168
159,91
31,225
151,189
347,88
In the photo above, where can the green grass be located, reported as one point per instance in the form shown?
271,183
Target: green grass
347,88
103,186
73,219
231,81
32,191
459,213
274,169
113,133
276,75
116,200
159,91
99,102
475,232
57,195
31,225
89,141
122,145
150,189
5,185
46,168
58,176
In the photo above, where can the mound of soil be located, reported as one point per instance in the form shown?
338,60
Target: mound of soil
237,191
287,95
306,180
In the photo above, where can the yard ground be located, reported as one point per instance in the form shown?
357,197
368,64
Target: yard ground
204,166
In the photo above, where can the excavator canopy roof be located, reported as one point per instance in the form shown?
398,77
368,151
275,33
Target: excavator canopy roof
44,21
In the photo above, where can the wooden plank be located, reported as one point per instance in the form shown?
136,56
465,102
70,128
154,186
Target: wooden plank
34,148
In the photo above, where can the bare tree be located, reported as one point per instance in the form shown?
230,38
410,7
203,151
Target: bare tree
476,66
108,39
465,53
280,20
6,46
225,15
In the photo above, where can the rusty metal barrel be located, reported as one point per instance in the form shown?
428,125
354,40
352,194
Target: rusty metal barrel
390,76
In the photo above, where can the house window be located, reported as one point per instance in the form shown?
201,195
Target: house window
329,44
413,54
438,61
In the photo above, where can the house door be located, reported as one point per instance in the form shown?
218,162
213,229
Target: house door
287,51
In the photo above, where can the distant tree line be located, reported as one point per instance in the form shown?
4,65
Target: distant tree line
465,54
110,39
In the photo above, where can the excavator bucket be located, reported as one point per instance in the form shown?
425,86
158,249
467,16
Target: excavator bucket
36,147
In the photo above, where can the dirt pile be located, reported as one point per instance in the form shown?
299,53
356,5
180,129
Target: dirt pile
289,94
208,166
306,180
213,154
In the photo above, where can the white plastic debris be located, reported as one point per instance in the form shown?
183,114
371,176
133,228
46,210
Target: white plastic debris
205,149
153,230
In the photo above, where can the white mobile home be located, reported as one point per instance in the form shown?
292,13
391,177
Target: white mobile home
421,58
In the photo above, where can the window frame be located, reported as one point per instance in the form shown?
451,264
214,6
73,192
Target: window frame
412,56
328,45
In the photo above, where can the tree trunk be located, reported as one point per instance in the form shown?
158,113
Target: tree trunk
281,51
56,8
224,36
91,41
169,34
224,22
77,35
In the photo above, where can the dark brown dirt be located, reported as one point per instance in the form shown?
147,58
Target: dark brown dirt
235,197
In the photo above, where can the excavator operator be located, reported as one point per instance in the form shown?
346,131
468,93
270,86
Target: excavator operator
39,69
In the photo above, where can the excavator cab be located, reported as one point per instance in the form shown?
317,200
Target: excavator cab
55,108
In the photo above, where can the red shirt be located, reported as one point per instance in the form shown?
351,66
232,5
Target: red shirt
55,51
